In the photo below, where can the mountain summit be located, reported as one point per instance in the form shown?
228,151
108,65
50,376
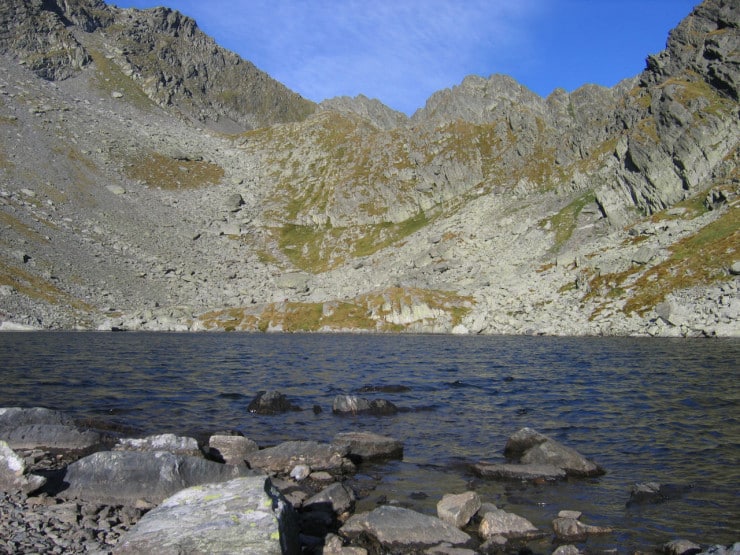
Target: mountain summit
150,179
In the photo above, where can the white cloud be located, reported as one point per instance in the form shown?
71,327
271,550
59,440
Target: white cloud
400,51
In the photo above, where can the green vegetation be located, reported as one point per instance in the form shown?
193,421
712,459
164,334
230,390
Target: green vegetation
157,170
370,312
563,224
109,78
39,289
700,259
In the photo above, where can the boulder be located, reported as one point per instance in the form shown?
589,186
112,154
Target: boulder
458,509
352,404
556,454
128,477
231,449
519,472
284,457
497,522
271,402
337,497
13,475
521,441
52,437
532,447
164,442
366,446
395,529
569,528
244,515
42,428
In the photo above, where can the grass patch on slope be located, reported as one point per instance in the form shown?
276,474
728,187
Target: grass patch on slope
700,259
157,170
390,310
564,223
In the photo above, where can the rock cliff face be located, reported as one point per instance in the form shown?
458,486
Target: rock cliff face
162,51
490,210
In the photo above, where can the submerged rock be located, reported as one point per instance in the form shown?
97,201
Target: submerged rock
271,402
520,472
351,404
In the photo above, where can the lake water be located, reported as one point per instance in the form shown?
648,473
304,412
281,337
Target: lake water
662,410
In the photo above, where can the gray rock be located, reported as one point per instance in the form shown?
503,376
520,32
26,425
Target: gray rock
458,509
244,515
521,441
497,522
231,449
284,457
15,417
534,448
127,477
573,530
733,549
397,529
52,436
369,446
13,476
338,497
163,442
571,461
567,550
521,472
735,268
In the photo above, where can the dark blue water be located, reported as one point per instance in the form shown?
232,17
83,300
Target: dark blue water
645,409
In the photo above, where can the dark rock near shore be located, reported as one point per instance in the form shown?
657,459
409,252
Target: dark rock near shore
271,402
368,446
652,492
38,427
568,527
130,477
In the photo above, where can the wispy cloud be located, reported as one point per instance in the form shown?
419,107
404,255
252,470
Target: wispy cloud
398,51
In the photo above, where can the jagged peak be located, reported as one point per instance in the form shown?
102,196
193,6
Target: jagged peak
371,109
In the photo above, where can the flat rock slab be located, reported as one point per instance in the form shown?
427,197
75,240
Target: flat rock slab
61,437
396,528
241,516
521,472
368,446
284,457
128,477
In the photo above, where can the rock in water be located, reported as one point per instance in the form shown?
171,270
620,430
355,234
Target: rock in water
241,516
396,529
368,446
271,402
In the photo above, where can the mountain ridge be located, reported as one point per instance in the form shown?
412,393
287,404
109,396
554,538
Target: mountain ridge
131,202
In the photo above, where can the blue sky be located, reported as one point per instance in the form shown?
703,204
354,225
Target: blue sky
402,51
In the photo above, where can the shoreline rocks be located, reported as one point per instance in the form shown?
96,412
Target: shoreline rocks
294,497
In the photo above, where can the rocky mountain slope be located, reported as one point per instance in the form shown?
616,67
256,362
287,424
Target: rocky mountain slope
151,180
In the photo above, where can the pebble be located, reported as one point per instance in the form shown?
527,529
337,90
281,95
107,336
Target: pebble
44,525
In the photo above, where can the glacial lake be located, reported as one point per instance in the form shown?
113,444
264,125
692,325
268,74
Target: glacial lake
663,410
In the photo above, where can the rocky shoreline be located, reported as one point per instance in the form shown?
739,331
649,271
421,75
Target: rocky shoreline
68,487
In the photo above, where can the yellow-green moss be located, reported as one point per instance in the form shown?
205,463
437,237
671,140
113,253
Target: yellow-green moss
563,224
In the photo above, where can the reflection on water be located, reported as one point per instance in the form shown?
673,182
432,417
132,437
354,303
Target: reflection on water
645,409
